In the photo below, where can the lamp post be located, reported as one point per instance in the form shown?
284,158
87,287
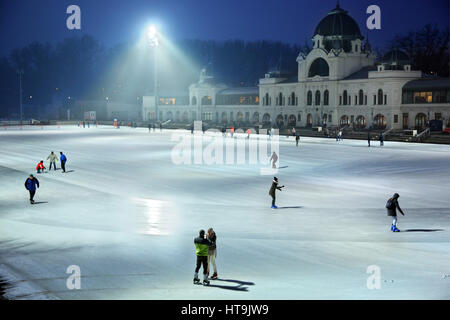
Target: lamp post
153,41
20,73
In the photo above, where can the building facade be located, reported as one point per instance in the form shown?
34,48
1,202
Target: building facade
338,84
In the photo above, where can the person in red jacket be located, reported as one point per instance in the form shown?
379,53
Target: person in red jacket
40,167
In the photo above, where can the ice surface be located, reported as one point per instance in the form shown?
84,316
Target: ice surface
127,216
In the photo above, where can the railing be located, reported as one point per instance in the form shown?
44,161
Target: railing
424,134
387,132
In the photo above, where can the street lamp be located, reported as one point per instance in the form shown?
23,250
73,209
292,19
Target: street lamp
152,36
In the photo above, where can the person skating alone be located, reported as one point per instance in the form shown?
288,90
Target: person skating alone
63,160
274,159
381,140
30,184
212,252
368,139
201,251
272,191
40,166
392,206
53,158
297,139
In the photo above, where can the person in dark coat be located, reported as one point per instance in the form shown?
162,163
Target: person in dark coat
297,139
392,206
381,140
160,126
368,139
272,190
63,160
30,184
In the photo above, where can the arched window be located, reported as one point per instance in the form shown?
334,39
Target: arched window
266,118
421,121
319,67
309,120
292,122
266,99
280,99
345,98
194,101
380,96
224,117
326,98
344,120
239,117
279,121
309,98
317,98
360,122
379,122
361,97
256,117
292,98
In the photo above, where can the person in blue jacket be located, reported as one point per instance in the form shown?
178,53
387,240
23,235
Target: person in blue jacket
63,160
30,185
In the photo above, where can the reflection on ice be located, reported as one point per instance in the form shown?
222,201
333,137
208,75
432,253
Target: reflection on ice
153,215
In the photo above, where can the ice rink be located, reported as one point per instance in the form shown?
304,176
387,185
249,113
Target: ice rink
127,215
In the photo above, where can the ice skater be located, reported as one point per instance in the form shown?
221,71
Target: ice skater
272,191
392,206
297,139
212,252
381,139
63,160
201,250
274,159
30,184
368,138
40,166
53,158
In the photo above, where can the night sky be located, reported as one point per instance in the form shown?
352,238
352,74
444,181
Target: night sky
292,21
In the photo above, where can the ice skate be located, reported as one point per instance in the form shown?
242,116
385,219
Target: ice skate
274,207
214,276
206,282
196,280
395,229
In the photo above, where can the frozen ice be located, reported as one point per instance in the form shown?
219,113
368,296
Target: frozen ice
127,216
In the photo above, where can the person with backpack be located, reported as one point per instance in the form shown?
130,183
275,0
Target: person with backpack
392,206
202,245
63,160
30,184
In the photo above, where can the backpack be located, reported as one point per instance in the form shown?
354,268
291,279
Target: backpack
390,204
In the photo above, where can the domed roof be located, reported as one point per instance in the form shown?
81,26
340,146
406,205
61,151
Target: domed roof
396,56
338,23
